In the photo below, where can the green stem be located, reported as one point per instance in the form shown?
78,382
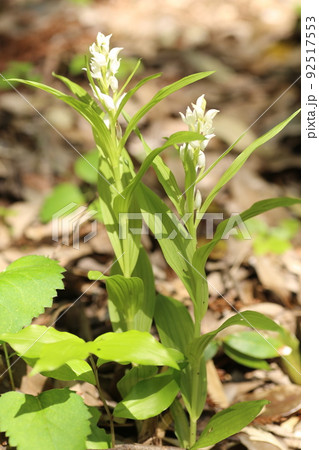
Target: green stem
9,366
292,365
107,410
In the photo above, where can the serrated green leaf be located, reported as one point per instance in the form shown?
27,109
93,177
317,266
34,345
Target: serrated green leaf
242,158
98,439
27,286
133,376
245,360
63,195
136,347
56,419
228,422
87,168
173,322
149,398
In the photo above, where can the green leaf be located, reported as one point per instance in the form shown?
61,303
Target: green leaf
74,370
56,419
202,253
125,298
173,322
246,318
98,439
80,93
143,270
126,247
245,360
164,174
159,96
122,201
87,168
228,422
133,376
181,425
177,246
136,347
27,286
132,91
65,196
252,344
149,397
242,158
194,394
54,353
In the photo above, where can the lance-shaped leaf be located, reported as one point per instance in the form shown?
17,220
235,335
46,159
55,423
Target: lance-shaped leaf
160,95
125,298
136,347
250,319
56,419
202,253
173,322
149,397
27,286
143,270
241,159
133,376
132,91
228,422
122,201
181,424
245,360
80,93
177,245
126,244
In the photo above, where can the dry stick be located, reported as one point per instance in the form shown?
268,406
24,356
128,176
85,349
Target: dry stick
107,409
8,366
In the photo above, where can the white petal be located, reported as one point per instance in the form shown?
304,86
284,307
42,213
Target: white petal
201,160
198,200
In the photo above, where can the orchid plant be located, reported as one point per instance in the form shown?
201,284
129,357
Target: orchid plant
133,303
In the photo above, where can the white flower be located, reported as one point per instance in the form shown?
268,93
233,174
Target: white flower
105,63
201,160
201,122
197,200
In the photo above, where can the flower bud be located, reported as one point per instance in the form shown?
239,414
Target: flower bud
198,199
